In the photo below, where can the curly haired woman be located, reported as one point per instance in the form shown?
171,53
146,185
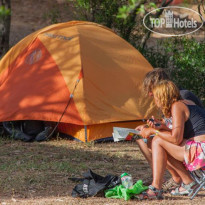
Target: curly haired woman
185,143
151,79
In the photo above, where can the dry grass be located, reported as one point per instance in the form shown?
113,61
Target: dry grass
37,173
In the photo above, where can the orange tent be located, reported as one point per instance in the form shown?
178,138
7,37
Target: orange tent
99,72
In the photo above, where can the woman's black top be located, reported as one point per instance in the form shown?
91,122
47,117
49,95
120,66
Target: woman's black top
195,125
188,95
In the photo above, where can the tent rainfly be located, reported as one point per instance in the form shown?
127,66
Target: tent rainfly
82,63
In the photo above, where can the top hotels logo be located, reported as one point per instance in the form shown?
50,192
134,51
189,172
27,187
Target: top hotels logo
174,21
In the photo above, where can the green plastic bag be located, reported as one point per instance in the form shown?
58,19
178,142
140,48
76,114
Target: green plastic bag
119,191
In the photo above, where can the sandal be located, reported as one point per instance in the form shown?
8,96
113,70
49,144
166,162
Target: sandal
170,185
157,194
188,189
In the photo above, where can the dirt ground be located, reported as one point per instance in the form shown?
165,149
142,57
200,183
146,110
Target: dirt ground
29,16
37,173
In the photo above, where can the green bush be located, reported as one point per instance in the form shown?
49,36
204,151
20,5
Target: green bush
187,63
156,56
183,59
4,12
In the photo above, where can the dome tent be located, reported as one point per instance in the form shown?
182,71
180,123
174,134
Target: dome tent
39,74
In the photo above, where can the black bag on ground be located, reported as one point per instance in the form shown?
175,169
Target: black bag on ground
28,130
94,184
37,129
13,128
32,127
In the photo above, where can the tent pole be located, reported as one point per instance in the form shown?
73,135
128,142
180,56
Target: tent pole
86,133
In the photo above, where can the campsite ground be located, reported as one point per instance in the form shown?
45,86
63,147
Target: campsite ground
37,173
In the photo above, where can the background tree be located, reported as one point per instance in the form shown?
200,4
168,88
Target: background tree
5,21
123,16
110,14
181,57
201,9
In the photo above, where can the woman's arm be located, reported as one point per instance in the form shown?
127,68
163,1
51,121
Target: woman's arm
166,135
175,135
178,112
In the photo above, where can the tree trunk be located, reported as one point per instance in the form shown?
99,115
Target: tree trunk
201,10
6,22
157,15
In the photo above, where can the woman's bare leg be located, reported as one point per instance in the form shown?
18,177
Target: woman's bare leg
146,151
180,169
174,174
159,161
161,150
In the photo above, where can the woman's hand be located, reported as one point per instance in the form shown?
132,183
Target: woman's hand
156,124
141,127
146,132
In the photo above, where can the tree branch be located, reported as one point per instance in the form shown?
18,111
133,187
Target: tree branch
132,18
201,5
4,43
157,15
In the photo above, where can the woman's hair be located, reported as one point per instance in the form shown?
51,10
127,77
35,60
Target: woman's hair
153,77
167,93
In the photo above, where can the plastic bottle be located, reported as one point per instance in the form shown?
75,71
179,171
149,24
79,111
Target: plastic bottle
126,180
